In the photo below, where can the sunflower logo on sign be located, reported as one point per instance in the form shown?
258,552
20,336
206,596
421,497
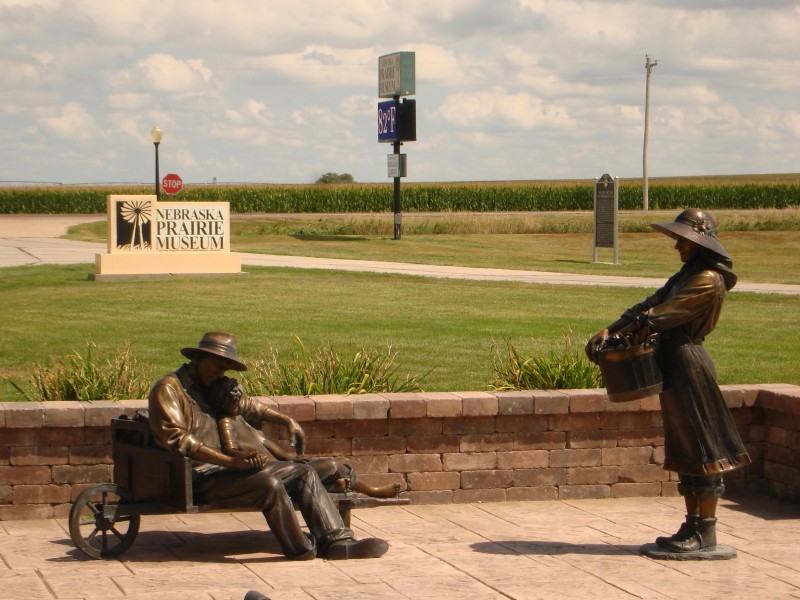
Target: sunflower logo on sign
134,220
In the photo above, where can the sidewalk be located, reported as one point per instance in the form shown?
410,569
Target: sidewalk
33,240
494,551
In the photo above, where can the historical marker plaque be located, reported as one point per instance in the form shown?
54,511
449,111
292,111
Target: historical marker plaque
606,214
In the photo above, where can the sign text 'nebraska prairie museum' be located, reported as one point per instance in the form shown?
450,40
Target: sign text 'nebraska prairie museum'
147,237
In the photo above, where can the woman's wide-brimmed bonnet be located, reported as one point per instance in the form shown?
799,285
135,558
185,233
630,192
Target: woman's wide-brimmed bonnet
695,225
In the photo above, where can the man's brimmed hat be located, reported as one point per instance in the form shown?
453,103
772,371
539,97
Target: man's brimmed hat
695,225
217,343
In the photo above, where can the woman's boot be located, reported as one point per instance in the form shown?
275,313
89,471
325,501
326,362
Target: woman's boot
704,538
684,533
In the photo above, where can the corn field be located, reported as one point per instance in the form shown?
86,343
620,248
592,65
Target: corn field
419,197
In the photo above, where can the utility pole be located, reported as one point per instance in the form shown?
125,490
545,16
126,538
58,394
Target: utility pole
645,185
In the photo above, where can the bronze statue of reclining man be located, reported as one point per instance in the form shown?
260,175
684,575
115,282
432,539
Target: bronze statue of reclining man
183,421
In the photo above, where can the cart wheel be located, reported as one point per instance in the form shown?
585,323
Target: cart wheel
92,531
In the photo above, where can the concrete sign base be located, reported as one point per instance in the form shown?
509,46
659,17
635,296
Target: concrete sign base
165,264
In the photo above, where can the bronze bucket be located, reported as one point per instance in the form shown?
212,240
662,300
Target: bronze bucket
630,373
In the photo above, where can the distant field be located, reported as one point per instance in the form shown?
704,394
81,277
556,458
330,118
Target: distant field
764,178
700,180
721,192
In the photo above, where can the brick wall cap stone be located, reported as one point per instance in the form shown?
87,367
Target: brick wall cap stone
70,413
478,404
587,400
333,407
514,402
370,406
23,414
443,404
406,406
301,408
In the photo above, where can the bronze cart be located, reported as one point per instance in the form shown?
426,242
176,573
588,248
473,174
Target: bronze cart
148,480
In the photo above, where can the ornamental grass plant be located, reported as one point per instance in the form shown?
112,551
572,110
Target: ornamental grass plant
118,375
326,371
93,375
563,366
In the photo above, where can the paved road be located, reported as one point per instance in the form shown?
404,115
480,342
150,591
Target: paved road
33,239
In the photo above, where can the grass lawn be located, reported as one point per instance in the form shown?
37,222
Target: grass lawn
451,325
765,244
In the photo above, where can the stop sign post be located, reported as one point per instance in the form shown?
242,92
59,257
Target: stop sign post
172,184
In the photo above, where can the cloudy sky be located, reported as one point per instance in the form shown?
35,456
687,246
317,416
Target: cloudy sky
282,92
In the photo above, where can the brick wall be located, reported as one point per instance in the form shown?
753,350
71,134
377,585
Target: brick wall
440,447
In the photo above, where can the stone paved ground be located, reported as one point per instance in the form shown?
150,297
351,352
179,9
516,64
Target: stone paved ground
524,551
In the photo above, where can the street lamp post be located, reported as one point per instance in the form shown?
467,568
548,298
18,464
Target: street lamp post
156,134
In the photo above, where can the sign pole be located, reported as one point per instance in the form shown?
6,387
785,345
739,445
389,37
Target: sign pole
396,120
398,216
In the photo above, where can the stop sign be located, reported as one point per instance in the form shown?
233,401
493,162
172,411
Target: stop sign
172,184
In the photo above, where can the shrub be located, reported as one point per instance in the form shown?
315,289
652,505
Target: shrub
562,367
88,377
325,372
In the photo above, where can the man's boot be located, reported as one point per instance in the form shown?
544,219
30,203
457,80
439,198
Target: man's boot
684,533
349,549
704,538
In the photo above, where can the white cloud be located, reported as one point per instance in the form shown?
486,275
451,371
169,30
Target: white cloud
498,107
251,110
21,75
505,89
185,159
792,121
440,66
73,124
693,95
166,73
123,123
129,101
243,134
359,104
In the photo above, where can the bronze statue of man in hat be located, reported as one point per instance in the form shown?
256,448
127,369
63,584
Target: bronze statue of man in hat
183,421
701,441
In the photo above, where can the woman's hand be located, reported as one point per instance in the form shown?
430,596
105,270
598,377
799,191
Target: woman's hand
248,461
258,461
